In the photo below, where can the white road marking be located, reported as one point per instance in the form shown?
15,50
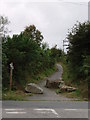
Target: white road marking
44,110
15,112
53,111
70,109
76,109
12,109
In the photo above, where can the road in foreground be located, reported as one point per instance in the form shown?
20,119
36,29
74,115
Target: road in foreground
44,109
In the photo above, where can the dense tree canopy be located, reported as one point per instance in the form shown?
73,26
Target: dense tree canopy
28,54
79,50
3,31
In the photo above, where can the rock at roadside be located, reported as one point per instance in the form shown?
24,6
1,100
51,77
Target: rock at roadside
52,83
65,88
33,88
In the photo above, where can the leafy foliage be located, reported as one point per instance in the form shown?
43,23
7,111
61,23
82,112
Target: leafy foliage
3,25
79,51
28,54
56,53
3,31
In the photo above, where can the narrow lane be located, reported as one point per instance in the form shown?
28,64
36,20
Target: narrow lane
50,94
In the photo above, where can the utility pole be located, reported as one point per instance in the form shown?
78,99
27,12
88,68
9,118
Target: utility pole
11,71
64,44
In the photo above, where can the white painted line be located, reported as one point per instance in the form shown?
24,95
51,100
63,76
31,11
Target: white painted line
76,109
12,109
53,111
15,112
44,110
70,109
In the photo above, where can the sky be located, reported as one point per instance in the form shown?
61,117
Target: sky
52,17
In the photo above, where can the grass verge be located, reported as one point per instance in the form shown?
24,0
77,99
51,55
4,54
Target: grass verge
14,95
82,91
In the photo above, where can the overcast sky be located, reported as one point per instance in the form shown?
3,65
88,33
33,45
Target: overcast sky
52,17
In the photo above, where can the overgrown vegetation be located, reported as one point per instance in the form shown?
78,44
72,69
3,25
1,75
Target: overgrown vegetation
81,93
15,95
77,65
32,58
79,51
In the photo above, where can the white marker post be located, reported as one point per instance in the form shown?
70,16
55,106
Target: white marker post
11,70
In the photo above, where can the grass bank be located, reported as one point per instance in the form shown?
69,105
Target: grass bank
82,88
42,75
17,95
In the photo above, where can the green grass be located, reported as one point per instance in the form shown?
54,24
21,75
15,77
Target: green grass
15,95
75,95
65,75
41,76
81,93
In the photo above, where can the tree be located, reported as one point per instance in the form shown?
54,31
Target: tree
32,33
28,54
3,30
56,53
79,50
3,25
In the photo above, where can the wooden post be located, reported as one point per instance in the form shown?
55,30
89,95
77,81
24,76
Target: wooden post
11,71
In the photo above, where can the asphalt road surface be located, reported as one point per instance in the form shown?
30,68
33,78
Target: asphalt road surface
44,109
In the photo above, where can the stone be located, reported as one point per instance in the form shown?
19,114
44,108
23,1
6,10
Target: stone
65,88
33,88
71,89
62,83
52,83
